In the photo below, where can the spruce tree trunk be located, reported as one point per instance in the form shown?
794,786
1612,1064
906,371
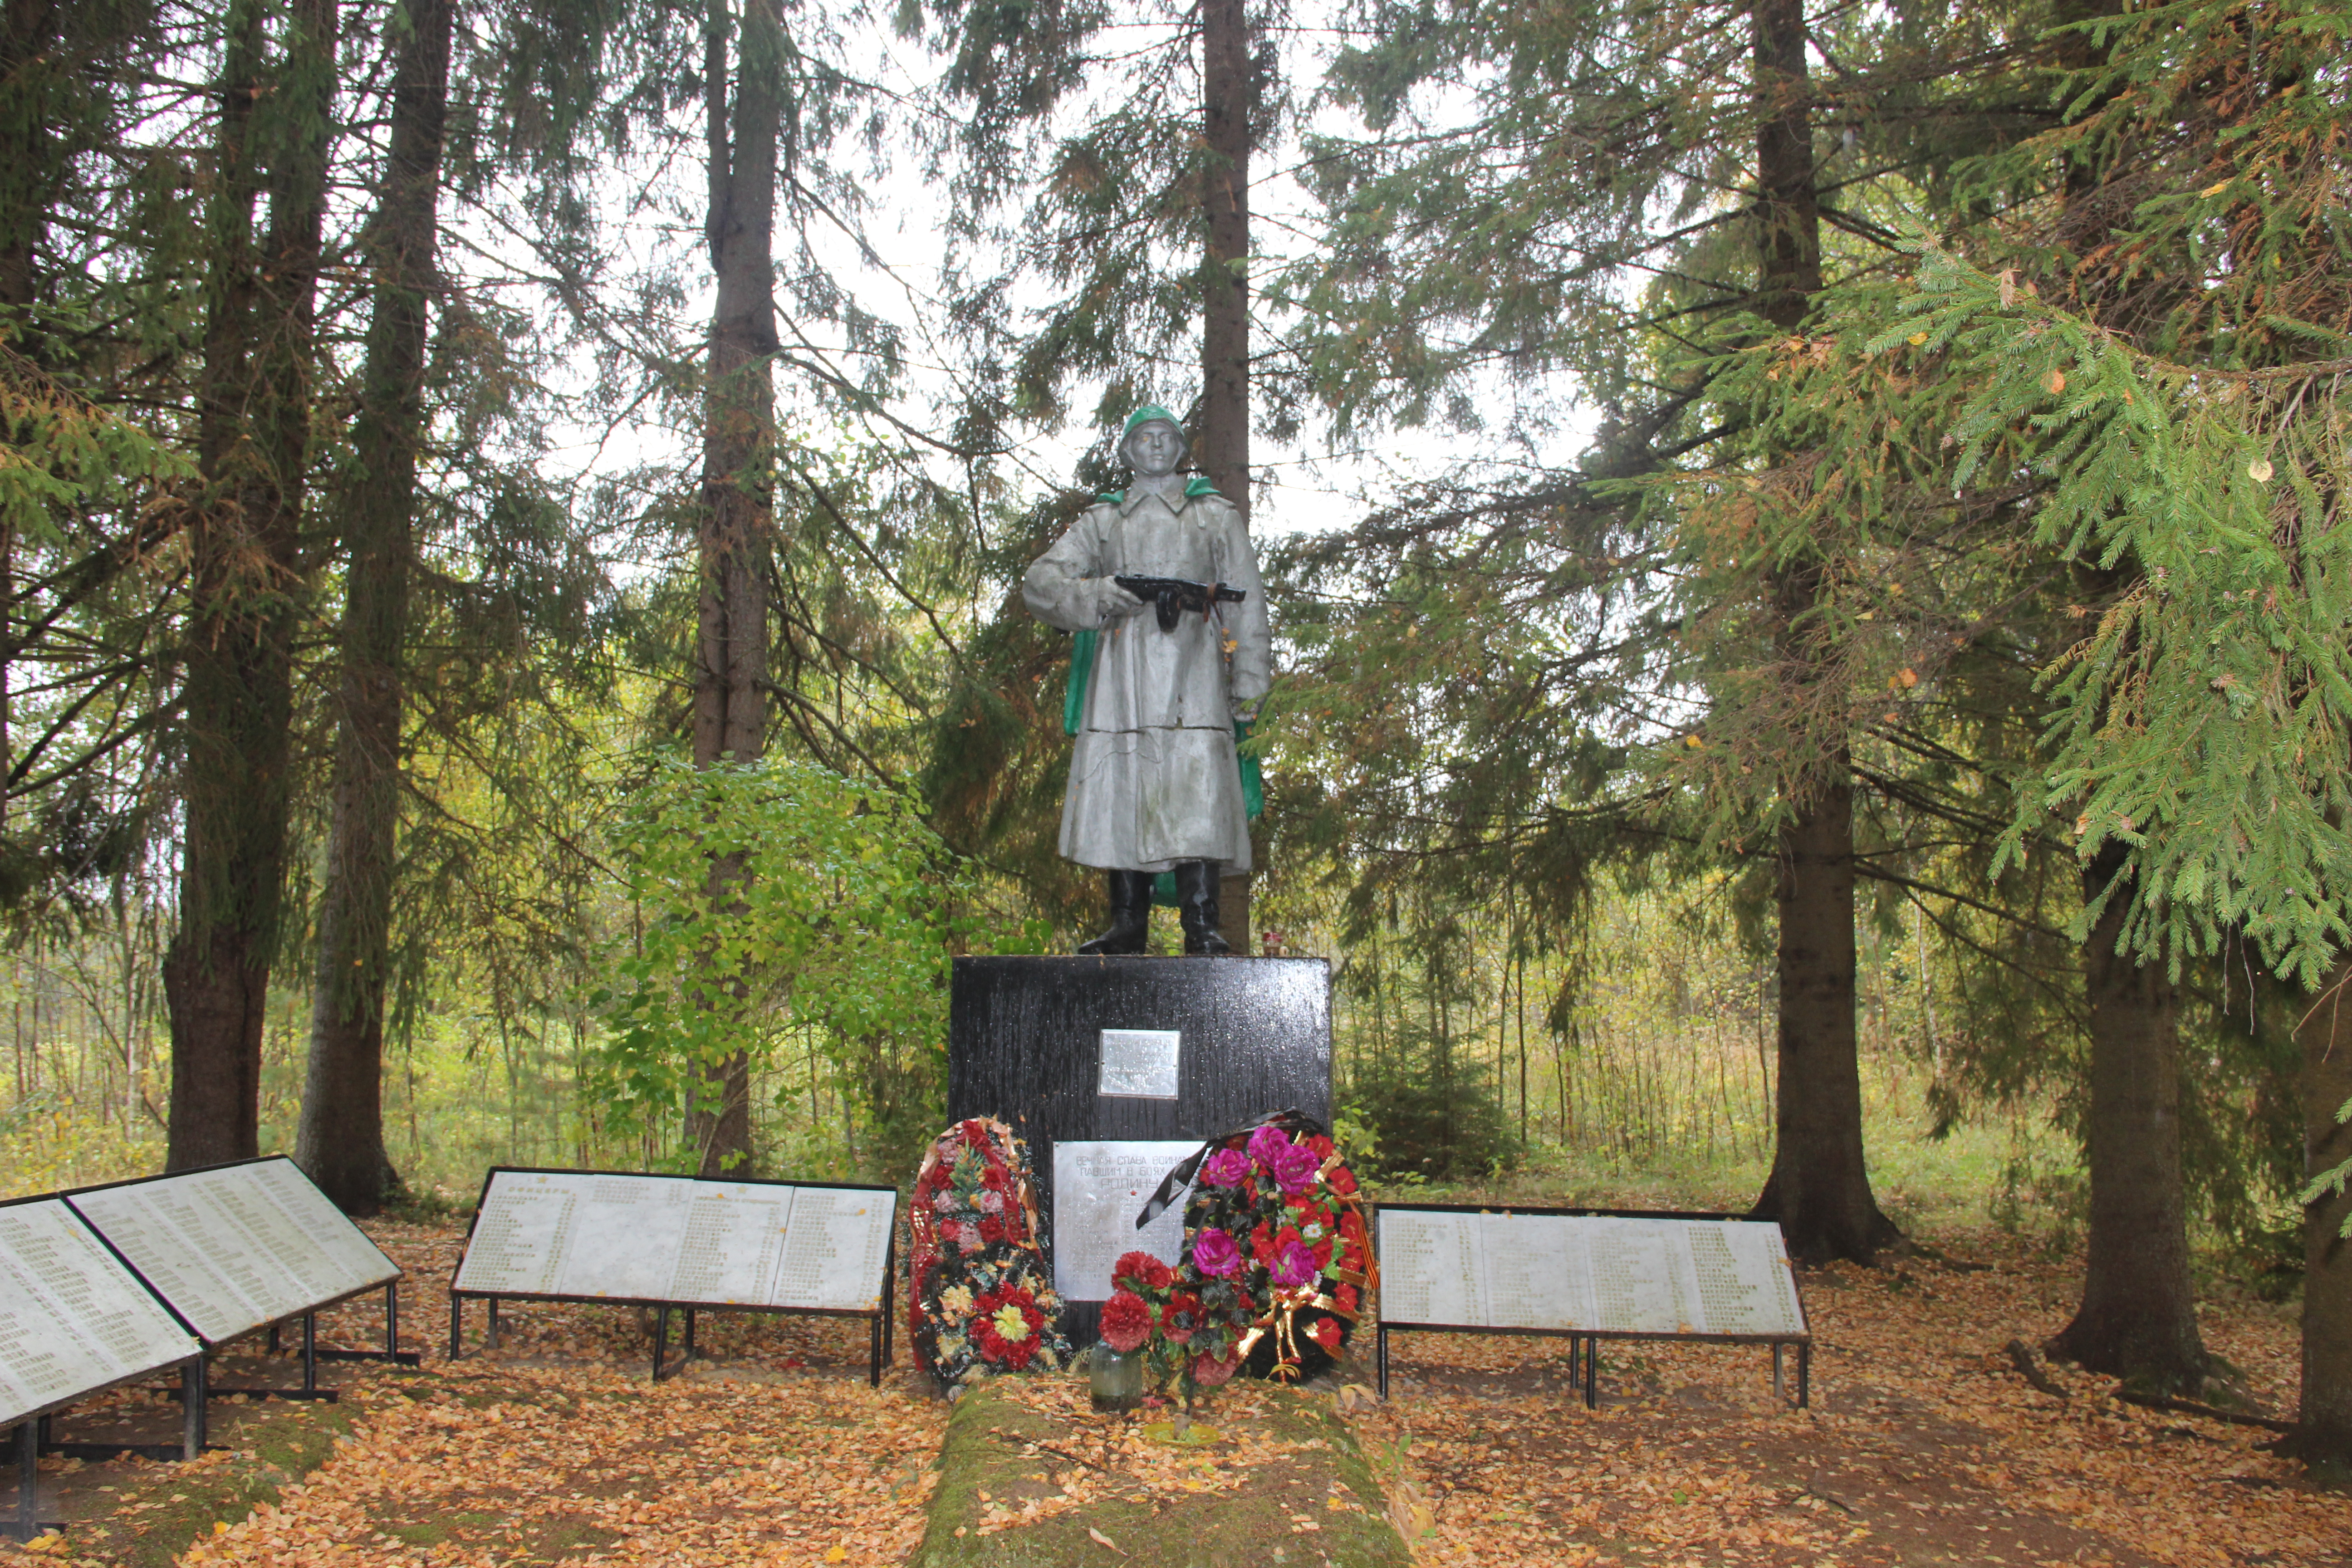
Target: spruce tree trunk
340,1140
245,578
1819,1187
2324,1431
28,148
2138,1315
730,712
28,176
1228,95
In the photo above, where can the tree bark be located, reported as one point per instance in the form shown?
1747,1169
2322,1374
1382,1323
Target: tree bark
246,577
1227,96
2137,1320
2324,1430
1819,1186
730,708
340,1140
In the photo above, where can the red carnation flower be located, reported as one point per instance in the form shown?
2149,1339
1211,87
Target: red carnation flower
1326,1332
1346,1296
1125,1322
995,1179
1142,1272
991,1227
1324,1148
1342,1181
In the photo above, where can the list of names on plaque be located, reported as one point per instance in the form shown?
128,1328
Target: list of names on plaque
1098,1189
1597,1272
627,1234
72,1319
833,1251
734,1240
674,1238
237,1246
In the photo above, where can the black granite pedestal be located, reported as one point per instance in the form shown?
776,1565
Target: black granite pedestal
1025,1042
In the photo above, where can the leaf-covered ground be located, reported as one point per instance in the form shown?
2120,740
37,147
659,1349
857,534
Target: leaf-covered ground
1924,1446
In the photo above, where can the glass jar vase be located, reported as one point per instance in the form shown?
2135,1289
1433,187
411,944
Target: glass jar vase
1115,1377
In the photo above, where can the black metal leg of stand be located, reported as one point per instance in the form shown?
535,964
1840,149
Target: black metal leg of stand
687,1349
1380,1358
492,1342
456,1322
192,1409
392,1318
28,1480
874,1351
661,1338
1804,1376
1592,1371
274,1344
310,1352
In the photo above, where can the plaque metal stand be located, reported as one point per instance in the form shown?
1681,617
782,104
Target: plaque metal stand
879,1336
1584,1344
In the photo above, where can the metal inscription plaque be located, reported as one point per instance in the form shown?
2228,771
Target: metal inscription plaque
1587,1273
1139,1063
676,1239
72,1319
237,1246
1098,1188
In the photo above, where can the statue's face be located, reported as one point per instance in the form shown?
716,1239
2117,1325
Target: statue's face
1154,449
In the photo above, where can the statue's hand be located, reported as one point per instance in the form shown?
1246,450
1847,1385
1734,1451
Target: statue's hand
1112,602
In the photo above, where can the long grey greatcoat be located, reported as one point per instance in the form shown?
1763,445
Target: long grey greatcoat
1153,777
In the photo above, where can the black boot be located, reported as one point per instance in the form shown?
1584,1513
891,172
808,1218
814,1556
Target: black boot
1196,906
1130,915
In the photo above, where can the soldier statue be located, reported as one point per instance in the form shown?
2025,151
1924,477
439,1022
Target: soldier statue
1154,779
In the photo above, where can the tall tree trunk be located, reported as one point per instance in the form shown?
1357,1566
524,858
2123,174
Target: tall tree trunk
2324,1433
29,34
730,706
2138,1315
245,539
1819,1186
1228,94
340,1141
28,156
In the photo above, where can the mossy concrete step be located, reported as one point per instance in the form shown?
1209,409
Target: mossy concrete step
1030,1477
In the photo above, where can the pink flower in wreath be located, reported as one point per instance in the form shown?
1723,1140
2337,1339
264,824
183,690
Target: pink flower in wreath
989,1202
1208,1370
1226,1168
1295,1167
1215,1254
946,1201
1265,1143
1294,1265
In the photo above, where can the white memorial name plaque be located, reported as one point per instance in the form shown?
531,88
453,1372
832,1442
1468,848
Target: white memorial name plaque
73,1320
1139,1063
833,1254
1098,1189
679,1239
1586,1273
237,1246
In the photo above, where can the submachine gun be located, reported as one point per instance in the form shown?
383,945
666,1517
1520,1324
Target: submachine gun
1174,596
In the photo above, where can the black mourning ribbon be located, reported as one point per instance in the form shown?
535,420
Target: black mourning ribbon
1291,1122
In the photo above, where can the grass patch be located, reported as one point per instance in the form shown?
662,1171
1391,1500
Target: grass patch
1283,1515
